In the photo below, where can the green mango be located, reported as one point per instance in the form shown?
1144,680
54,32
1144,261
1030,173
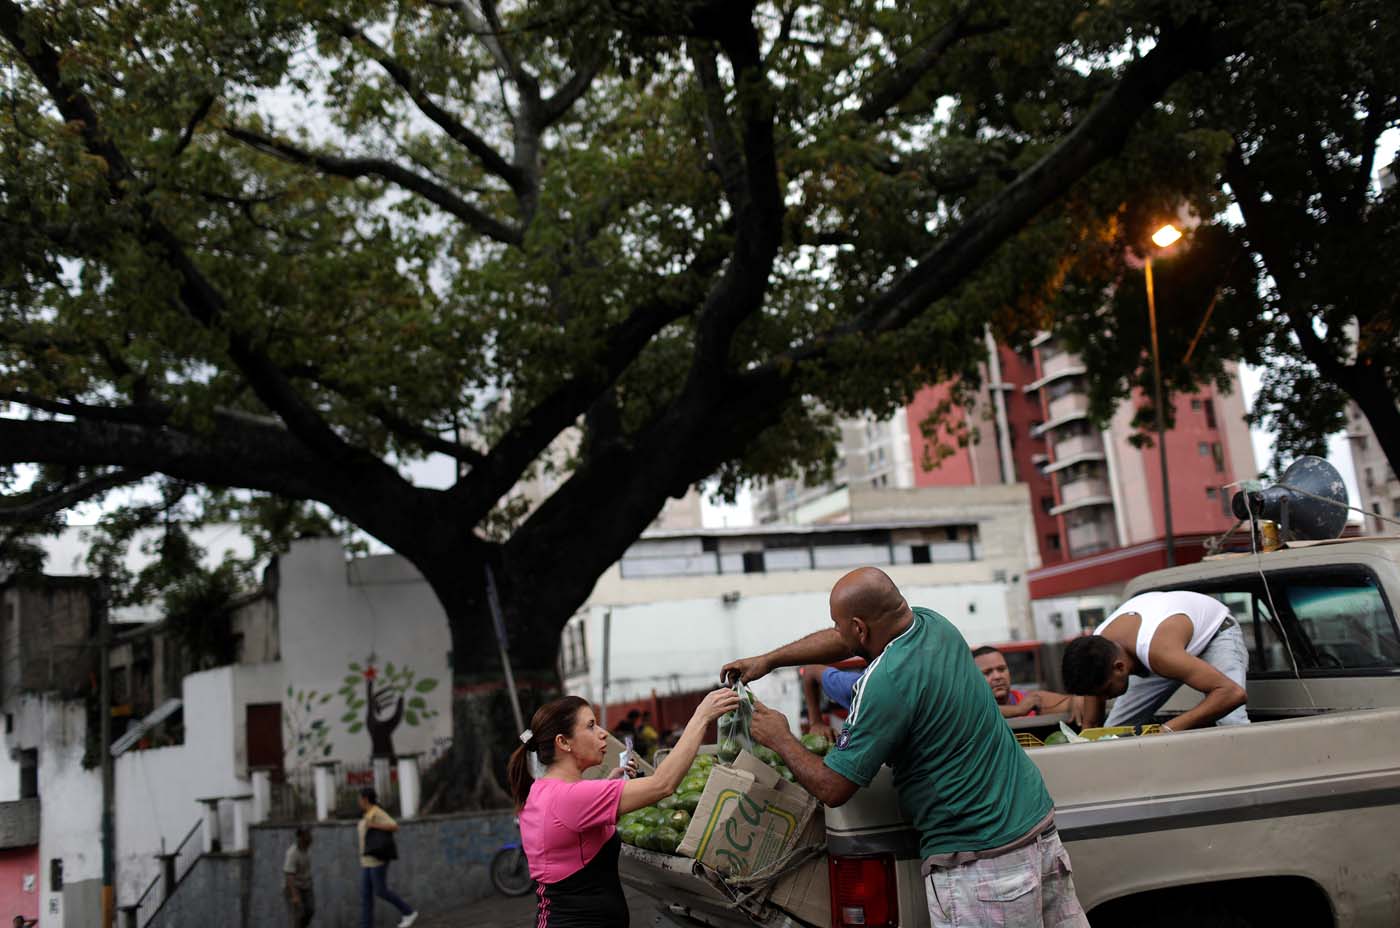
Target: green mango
705,761
1056,737
652,816
679,819
693,784
787,774
817,744
665,839
666,803
767,755
688,801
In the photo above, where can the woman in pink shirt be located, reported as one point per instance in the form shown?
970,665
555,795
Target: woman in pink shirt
568,825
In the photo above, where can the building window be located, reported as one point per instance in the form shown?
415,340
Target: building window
1196,405
1210,492
882,454
1053,541
884,480
1217,451
1209,406
1203,449
1225,508
1090,618
951,533
920,554
1370,478
29,773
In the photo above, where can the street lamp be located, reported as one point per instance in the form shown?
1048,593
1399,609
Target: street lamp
1165,236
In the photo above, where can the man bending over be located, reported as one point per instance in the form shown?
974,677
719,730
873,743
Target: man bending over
1150,646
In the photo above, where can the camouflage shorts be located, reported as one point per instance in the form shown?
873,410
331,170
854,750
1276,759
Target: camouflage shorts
1026,888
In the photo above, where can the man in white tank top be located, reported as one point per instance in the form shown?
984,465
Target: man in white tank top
1149,647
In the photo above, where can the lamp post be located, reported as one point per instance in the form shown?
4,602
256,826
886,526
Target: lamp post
1162,238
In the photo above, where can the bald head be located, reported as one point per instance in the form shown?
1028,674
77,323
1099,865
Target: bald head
870,595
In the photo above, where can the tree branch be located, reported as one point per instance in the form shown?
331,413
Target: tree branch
83,490
197,296
1101,133
352,168
200,112
729,159
553,108
900,80
454,128
137,415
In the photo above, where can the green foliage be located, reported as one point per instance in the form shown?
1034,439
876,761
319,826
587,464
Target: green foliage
199,608
308,734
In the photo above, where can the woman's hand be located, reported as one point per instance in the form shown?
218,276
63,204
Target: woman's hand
716,703
628,771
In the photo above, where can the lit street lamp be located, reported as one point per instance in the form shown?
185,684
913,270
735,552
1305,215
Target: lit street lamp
1165,236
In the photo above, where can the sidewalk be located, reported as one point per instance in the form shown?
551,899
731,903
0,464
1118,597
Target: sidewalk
500,912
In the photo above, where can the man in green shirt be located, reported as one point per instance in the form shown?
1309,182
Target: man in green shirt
985,821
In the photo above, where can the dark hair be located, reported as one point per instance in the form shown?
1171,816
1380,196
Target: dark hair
1087,664
985,649
303,832
549,722
368,794
634,714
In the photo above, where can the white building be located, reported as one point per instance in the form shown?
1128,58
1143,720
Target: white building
680,604
334,618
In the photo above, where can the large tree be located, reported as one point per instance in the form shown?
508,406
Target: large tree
1294,267
288,246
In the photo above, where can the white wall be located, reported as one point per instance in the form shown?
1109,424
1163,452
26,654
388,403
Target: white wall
680,645
70,811
333,611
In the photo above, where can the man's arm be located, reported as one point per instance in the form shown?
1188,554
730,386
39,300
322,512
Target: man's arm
770,729
823,647
1222,695
293,892
1031,701
1087,711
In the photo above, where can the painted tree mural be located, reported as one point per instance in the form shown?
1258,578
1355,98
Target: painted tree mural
379,700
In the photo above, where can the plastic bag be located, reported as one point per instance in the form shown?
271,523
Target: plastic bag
734,726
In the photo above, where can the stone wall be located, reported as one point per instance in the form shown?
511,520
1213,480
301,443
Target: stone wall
214,892
443,863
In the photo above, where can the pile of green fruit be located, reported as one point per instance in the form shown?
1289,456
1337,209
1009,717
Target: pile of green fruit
660,827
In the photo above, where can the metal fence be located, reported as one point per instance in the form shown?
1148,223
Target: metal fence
293,798
185,857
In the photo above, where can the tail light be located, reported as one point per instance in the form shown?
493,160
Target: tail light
864,892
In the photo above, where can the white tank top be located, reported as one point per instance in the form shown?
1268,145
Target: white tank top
1205,612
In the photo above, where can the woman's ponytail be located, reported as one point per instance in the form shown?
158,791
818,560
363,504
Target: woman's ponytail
537,744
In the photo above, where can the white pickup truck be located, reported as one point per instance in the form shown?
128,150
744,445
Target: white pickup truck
1293,820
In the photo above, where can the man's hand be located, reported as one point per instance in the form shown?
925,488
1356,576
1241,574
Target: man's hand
823,729
747,669
769,726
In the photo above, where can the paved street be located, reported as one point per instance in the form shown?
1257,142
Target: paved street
500,912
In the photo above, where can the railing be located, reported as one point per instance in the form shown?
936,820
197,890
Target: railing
294,798
184,858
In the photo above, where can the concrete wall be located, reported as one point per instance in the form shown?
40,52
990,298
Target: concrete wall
332,612
213,893
19,883
70,804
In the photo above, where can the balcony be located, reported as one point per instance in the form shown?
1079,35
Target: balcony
1071,405
1077,445
19,823
1054,368
1090,537
1087,488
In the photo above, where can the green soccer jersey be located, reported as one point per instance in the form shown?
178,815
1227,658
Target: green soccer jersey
924,708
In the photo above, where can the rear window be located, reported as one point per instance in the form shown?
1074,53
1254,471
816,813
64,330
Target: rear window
1334,621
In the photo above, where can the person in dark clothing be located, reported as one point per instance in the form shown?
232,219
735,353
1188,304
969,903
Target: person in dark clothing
568,825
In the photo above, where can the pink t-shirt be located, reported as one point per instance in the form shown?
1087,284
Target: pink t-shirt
564,825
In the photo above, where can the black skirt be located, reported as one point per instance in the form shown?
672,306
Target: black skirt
590,898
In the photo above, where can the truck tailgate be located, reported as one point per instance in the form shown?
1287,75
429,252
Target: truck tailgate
680,882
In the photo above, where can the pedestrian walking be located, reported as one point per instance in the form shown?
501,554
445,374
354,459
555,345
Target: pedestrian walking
296,870
377,849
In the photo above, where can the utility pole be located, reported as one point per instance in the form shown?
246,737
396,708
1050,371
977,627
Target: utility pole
1161,428
104,698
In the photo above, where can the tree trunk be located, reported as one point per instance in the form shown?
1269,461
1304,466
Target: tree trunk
1366,385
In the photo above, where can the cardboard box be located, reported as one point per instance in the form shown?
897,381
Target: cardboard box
748,817
806,891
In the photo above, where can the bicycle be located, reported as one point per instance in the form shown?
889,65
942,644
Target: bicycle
510,871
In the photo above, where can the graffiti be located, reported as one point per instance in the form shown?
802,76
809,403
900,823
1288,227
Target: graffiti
380,699
308,737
